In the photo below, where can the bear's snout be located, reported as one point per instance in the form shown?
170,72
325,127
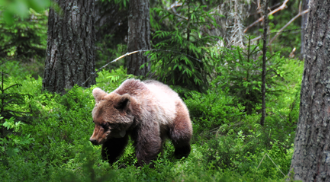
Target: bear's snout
94,142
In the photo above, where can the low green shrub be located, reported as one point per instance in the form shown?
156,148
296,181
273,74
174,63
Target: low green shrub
228,144
212,109
242,152
240,71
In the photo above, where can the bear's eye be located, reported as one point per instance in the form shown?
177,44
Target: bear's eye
104,125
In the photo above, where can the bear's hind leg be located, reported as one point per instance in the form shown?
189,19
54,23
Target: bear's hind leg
113,148
181,131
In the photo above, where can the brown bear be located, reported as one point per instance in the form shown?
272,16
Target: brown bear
149,112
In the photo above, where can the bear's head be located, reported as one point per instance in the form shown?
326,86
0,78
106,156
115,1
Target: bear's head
112,116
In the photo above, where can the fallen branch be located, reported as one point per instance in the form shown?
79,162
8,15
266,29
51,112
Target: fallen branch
272,7
127,54
130,53
286,25
283,6
257,38
278,168
176,4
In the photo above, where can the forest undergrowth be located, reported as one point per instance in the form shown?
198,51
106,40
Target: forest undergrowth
47,137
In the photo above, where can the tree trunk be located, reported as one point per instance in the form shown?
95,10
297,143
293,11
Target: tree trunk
70,48
264,58
311,158
138,36
110,19
303,27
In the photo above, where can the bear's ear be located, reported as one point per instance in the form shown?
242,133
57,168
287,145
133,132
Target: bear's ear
98,94
123,102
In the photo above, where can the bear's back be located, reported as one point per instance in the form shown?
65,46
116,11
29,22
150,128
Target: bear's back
156,98
139,89
161,89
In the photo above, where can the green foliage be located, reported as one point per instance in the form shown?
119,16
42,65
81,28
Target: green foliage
234,140
9,100
10,112
290,37
183,57
240,72
21,8
212,109
283,110
228,145
111,81
11,144
243,150
107,52
25,38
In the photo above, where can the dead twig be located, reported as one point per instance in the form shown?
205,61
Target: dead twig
272,7
278,168
286,25
173,6
176,4
283,6
259,37
259,7
138,51
127,54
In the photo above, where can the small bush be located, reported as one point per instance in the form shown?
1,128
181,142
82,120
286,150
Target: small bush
228,144
240,71
212,109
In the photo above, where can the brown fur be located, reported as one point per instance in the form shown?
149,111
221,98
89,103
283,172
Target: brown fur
149,112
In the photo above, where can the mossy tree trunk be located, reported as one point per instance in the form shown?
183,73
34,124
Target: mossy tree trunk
70,52
311,158
138,36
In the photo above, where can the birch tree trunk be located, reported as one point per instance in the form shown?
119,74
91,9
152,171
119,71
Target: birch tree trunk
138,36
70,46
311,158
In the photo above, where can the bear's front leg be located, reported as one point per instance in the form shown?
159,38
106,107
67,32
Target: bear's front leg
113,148
148,145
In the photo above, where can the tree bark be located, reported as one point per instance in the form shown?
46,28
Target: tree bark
138,36
70,52
110,19
311,158
303,27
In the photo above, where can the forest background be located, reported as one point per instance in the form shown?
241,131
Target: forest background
210,60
